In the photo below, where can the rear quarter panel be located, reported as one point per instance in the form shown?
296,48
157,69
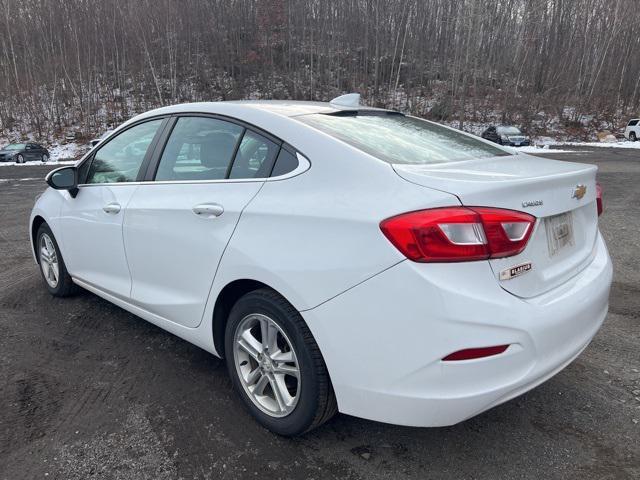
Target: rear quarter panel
316,235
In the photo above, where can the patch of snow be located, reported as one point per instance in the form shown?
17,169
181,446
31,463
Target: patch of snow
624,144
544,149
69,151
36,163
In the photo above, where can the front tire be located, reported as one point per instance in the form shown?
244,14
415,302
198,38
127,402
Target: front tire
45,158
276,366
52,267
19,159
632,136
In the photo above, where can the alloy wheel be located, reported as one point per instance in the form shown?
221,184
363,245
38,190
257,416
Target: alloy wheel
49,261
267,365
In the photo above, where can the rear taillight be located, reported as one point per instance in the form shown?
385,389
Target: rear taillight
459,234
599,198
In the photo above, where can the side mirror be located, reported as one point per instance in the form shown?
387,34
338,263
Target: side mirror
65,178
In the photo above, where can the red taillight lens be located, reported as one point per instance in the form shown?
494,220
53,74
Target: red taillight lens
458,234
599,198
472,353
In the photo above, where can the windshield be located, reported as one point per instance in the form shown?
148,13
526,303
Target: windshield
395,138
509,131
15,146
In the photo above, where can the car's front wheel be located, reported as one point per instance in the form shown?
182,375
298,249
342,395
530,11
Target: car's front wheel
19,159
632,136
52,266
276,366
45,158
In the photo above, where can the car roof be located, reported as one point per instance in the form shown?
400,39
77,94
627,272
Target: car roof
286,108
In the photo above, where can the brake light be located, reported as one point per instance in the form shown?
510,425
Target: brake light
459,234
599,198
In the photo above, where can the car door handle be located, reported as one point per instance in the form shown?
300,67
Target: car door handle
112,208
208,210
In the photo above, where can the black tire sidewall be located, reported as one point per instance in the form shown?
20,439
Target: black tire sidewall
304,413
633,137
19,159
62,269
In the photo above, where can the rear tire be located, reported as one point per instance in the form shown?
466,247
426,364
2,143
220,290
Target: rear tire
52,267
289,403
632,136
45,158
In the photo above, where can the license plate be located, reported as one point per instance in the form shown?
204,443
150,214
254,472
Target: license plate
559,232
518,144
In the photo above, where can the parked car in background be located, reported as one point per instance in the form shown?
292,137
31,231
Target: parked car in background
506,135
340,257
632,132
24,152
96,141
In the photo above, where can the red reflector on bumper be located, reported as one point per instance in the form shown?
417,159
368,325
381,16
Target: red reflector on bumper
471,353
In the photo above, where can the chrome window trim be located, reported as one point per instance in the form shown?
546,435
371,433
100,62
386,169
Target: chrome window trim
303,165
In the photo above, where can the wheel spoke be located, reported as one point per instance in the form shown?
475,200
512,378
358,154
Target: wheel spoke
260,385
49,245
280,392
287,370
54,272
45,269
269,334
249,344
254,376
281,356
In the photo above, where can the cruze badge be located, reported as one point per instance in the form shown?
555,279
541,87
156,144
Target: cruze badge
531,203
579,191
515,271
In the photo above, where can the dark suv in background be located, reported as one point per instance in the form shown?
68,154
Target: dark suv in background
23,152
506,135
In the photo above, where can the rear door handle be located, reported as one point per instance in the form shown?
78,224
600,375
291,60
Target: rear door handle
208,210
112,208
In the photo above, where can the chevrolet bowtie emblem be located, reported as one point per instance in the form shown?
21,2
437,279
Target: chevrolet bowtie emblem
579,192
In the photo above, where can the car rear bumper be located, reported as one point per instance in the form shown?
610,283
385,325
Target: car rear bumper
383,340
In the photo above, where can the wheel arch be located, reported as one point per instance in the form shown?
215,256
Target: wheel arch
35,225
225,301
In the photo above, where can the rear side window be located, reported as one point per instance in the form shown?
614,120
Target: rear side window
255,156
120,159
395,138
633,123
199,148
285,163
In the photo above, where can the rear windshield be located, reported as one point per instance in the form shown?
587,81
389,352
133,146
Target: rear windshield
509,131
396,138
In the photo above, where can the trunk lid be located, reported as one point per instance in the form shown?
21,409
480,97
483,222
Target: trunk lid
564,235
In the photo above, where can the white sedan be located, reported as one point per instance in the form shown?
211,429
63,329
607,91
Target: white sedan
339,257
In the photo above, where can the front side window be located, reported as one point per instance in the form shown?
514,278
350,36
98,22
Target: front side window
199,148
633,123
120,159
255,157
395,138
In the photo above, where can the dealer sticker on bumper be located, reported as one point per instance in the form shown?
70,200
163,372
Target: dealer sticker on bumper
515,271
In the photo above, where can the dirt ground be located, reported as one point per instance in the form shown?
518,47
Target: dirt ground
88,390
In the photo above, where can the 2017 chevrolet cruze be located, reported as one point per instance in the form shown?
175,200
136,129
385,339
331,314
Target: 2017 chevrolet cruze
338,257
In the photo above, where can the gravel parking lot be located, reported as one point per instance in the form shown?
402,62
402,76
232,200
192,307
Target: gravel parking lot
88,390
